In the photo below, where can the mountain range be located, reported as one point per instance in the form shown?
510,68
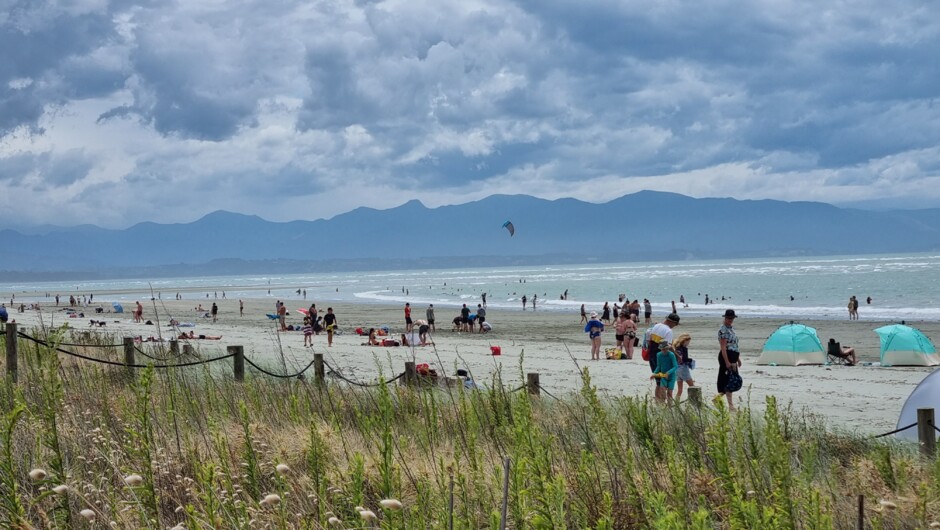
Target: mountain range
638,227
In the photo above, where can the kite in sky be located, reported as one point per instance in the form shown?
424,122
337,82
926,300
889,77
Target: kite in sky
508,226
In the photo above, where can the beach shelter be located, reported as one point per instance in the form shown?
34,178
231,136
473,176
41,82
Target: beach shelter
906,346
793,345
925,396
118,308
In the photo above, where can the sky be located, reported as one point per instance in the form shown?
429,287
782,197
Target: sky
119,112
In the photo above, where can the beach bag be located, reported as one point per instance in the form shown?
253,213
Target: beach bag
735,382
496,350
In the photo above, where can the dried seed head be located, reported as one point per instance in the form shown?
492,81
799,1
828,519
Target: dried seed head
282,469
88,514
61,489
334,521
38,474
134,480
368,515
390,504
888,504
270,500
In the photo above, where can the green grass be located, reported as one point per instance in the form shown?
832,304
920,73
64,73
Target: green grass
207,448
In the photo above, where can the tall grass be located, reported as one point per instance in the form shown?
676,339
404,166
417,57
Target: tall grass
192,448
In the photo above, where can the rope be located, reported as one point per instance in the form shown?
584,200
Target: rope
897,430
262,370
357,383
549,394
115,363
518,388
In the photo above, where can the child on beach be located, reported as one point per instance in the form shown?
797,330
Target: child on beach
308,332
665,372
684,373
594,328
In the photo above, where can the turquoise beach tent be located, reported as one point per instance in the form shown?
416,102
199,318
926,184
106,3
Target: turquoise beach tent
118,308
906,346
793,345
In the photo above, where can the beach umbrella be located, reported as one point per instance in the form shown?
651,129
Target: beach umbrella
118,308
906,346
793,345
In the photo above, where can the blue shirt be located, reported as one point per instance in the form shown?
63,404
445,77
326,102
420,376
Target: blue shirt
594,328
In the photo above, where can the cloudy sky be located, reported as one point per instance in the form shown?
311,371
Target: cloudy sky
116,112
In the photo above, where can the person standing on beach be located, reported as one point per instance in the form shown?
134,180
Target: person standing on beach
430,314
139,312
282,315
594,328
534,298
855,307
583,315
524,299
647,312
605,316
729,358
851,307
409,324
329,320
481,316
483,296
658,333
684,372
214,311
241,307
464,318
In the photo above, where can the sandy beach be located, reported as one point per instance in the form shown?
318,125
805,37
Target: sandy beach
866,399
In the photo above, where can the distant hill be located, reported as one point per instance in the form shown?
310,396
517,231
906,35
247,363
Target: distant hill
638,227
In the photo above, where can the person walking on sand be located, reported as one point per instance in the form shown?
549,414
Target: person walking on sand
214,311
658,333
241,307
409,324
684,372
139,313
329,320
729,357
583,315
647,312
594,328
282,315
430,314
308,333
627,328
524,300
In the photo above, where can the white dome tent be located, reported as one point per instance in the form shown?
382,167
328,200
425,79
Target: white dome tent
925,396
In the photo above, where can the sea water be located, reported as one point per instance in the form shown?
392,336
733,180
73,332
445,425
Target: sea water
901,286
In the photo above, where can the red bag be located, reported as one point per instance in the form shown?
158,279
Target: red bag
646,354
496,350
423,369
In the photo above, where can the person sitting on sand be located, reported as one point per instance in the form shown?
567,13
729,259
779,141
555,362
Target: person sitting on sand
192,335
373,341
404,340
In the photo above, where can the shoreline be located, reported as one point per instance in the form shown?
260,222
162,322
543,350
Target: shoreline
863,398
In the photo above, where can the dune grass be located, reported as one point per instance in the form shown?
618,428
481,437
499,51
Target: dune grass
84,446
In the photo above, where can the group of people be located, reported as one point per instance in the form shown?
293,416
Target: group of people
668,356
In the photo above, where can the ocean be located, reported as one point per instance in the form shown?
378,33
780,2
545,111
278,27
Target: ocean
901,287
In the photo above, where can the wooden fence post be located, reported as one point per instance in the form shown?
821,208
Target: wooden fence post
532,384
411,375
239,352
129,358
926,433
860,523
11,351
174,347
319,372
187,349
695,396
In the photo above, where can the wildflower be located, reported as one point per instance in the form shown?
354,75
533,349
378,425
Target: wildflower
38,474
133,480
282,469
61,489
390,504
334,521
270,500
368,515
888,504
87,514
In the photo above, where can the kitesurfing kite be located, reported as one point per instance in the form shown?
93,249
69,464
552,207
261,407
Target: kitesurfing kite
508,226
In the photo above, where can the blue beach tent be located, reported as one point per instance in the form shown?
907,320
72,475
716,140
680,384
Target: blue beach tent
906,346
793,345
118,308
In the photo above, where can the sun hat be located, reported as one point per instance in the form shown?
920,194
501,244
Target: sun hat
593,314
730,314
